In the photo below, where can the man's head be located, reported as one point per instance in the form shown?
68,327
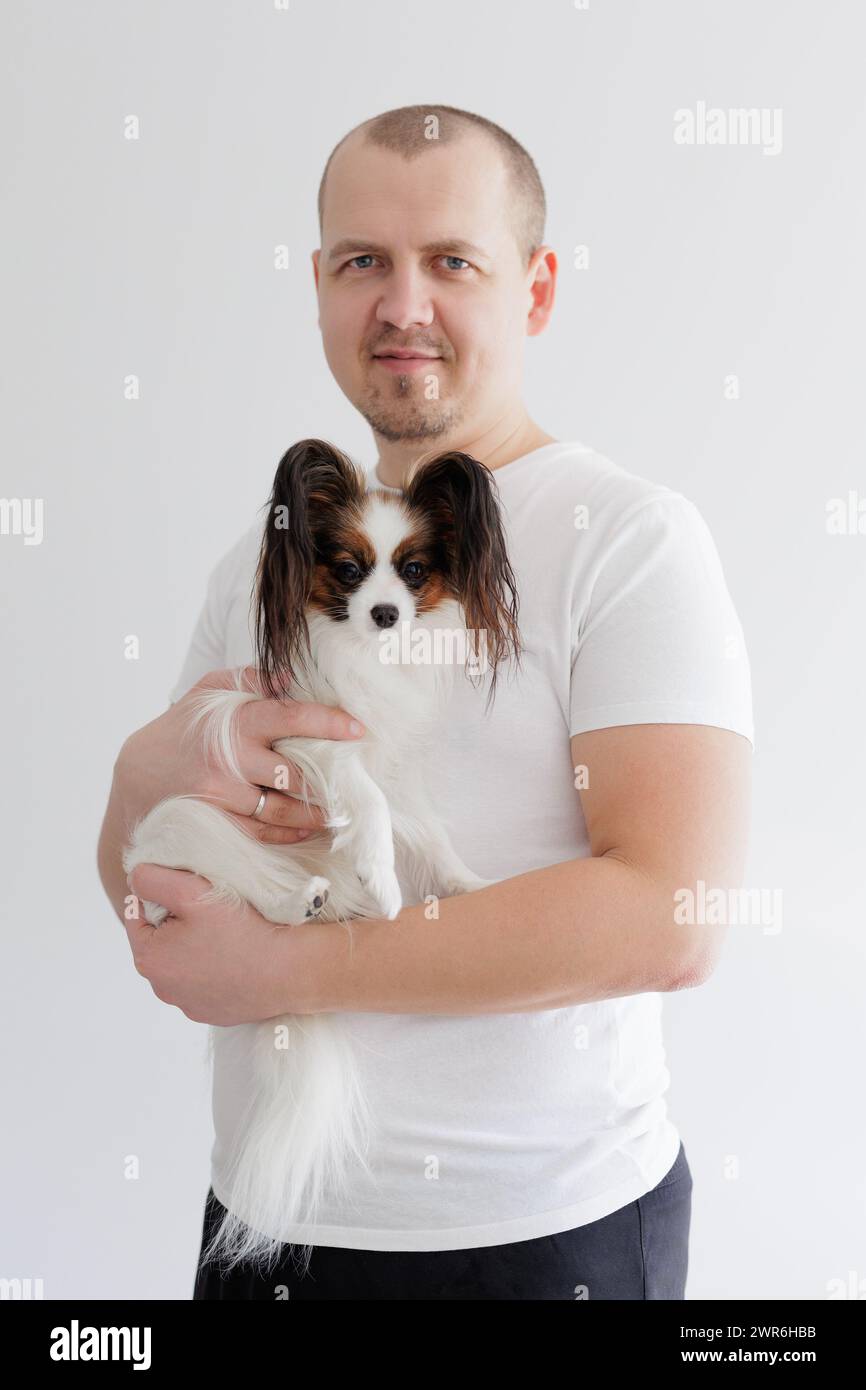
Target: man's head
432,224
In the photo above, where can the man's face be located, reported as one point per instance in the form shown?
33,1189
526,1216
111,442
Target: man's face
433,265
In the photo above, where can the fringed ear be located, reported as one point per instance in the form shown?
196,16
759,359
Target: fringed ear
459,494
313,479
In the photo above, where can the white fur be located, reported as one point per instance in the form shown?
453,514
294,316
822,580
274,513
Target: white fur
308,1119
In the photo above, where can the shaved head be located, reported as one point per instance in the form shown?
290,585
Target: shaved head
411,131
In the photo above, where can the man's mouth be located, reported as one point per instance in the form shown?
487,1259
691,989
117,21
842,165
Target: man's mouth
405,361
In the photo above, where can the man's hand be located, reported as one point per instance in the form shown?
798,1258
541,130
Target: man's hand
167,758
218,964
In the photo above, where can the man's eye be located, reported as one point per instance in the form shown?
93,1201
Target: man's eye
413,570
368,256
347,573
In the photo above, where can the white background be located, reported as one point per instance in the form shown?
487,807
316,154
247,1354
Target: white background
155,257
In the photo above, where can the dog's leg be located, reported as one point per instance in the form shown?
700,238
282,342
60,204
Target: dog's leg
362,817
358,811
185,833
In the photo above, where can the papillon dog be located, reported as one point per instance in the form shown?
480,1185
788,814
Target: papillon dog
365,600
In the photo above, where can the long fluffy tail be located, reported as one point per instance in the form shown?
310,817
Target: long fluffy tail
307,1118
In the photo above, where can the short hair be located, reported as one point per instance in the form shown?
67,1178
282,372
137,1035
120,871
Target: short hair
403,130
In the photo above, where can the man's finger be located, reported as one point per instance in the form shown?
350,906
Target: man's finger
290,810
270,720
283,809
272,770
174,889
271,833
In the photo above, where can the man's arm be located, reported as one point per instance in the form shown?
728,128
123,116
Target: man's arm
665,806
162,759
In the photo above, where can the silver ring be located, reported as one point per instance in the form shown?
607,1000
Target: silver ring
261,805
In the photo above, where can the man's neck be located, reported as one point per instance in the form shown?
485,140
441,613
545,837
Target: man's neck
490,448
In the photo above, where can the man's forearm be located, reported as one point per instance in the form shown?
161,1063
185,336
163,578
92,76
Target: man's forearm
582,930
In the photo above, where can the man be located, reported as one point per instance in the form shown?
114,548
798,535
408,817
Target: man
511,1047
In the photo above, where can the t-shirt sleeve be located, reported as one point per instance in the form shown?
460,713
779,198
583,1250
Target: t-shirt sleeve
206,651
659,641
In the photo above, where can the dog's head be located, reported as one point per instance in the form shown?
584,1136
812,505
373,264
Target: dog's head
373,560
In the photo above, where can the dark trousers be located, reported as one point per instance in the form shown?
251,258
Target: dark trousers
638,1252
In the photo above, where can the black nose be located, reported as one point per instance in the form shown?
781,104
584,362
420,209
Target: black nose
385,614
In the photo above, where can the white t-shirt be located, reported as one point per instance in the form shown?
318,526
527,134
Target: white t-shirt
503,1127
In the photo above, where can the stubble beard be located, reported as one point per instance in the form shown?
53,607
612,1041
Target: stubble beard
406,415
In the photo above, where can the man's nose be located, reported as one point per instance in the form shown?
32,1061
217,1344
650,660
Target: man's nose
405,301
384,614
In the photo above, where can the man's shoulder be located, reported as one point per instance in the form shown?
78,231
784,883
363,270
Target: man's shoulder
574,475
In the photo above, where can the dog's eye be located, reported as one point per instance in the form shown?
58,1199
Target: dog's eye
347,572
413,571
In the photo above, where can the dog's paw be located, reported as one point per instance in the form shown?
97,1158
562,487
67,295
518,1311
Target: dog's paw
380,881
314,896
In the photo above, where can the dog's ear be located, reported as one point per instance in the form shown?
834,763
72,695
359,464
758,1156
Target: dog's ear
312,481
460,495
